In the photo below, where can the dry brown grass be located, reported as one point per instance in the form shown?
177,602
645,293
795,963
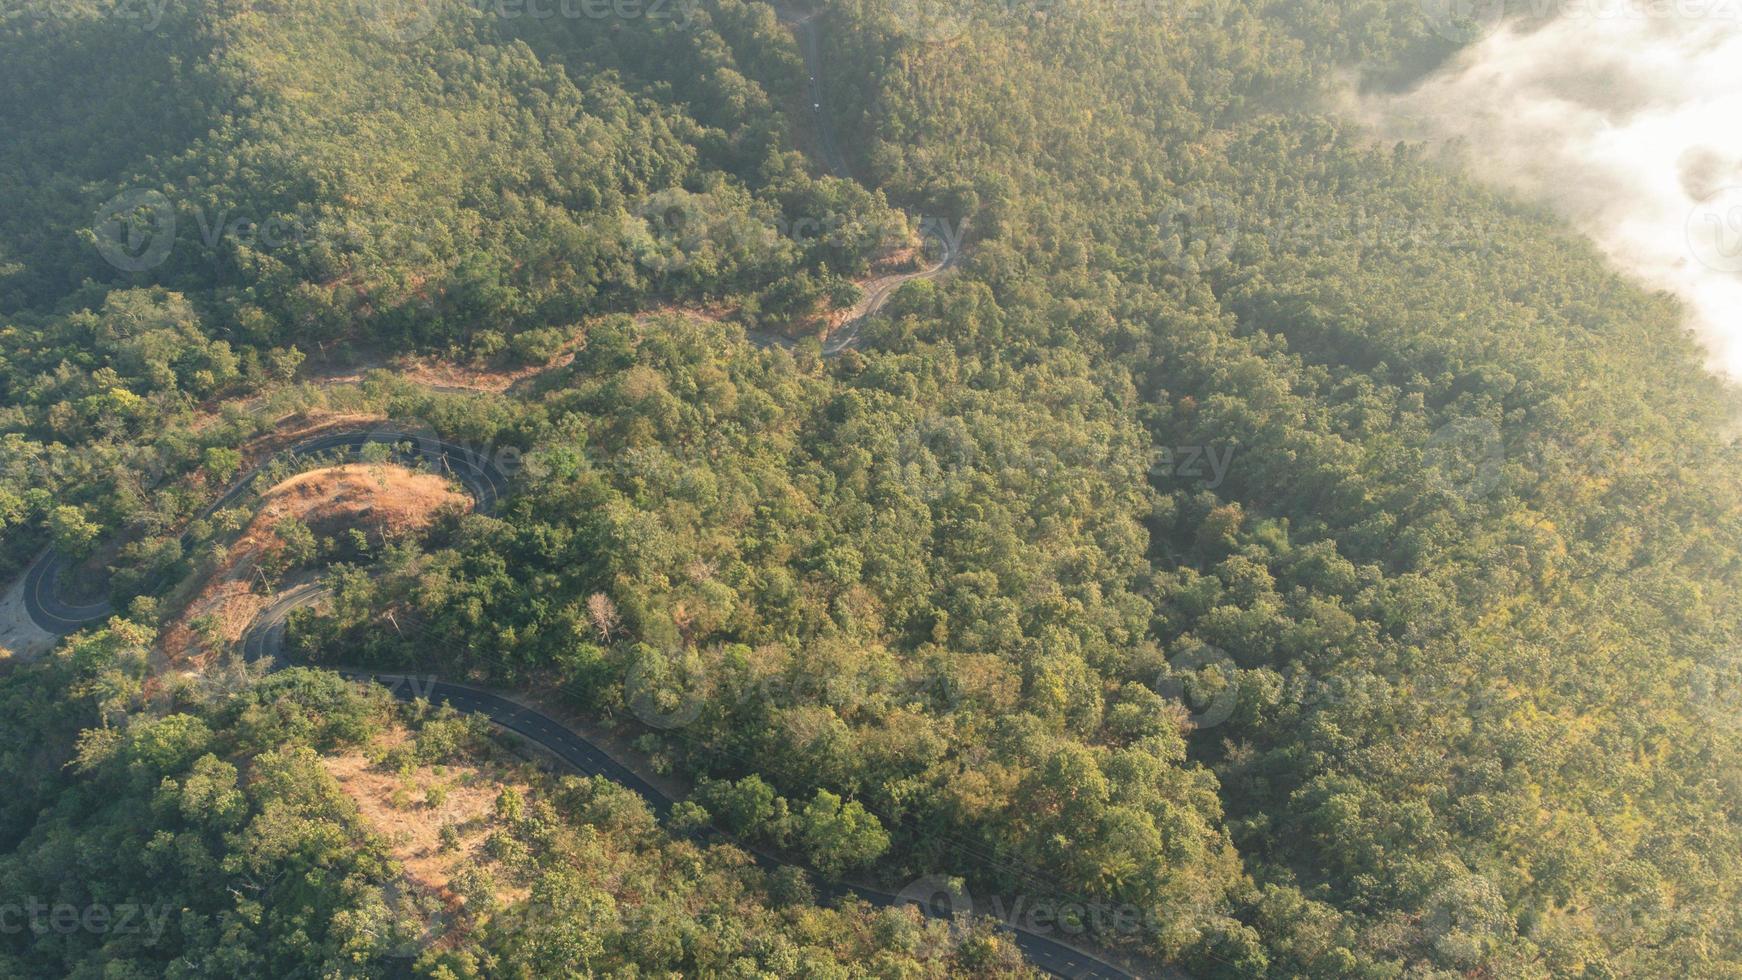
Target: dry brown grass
445,375
896,261
390,498
383,499
407,809
449,375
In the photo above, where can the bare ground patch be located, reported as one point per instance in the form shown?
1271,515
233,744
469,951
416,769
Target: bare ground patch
383,499
435,820
409,807
441,374
20,638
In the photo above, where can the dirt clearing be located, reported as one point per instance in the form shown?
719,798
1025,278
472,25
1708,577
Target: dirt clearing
383,500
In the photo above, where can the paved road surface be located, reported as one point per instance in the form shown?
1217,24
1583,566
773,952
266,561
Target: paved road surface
804,29
482,478
877,291
265,638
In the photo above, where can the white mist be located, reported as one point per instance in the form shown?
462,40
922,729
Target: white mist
1626,116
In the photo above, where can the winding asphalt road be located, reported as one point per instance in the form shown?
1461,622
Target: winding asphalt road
878,291
804,29
265,638
481,477
43,595
485,481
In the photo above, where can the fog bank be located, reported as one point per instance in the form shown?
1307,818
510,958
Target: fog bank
1626,119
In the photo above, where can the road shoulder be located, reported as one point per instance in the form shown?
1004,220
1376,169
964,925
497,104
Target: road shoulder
21,640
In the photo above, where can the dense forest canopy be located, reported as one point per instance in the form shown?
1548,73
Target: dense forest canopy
1259,528
217,836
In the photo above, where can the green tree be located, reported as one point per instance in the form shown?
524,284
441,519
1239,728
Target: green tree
72,533
222,464
837,837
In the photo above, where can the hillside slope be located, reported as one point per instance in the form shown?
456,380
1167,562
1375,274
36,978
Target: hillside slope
1288,557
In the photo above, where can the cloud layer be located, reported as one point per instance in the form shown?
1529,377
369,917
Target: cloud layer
1628,120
